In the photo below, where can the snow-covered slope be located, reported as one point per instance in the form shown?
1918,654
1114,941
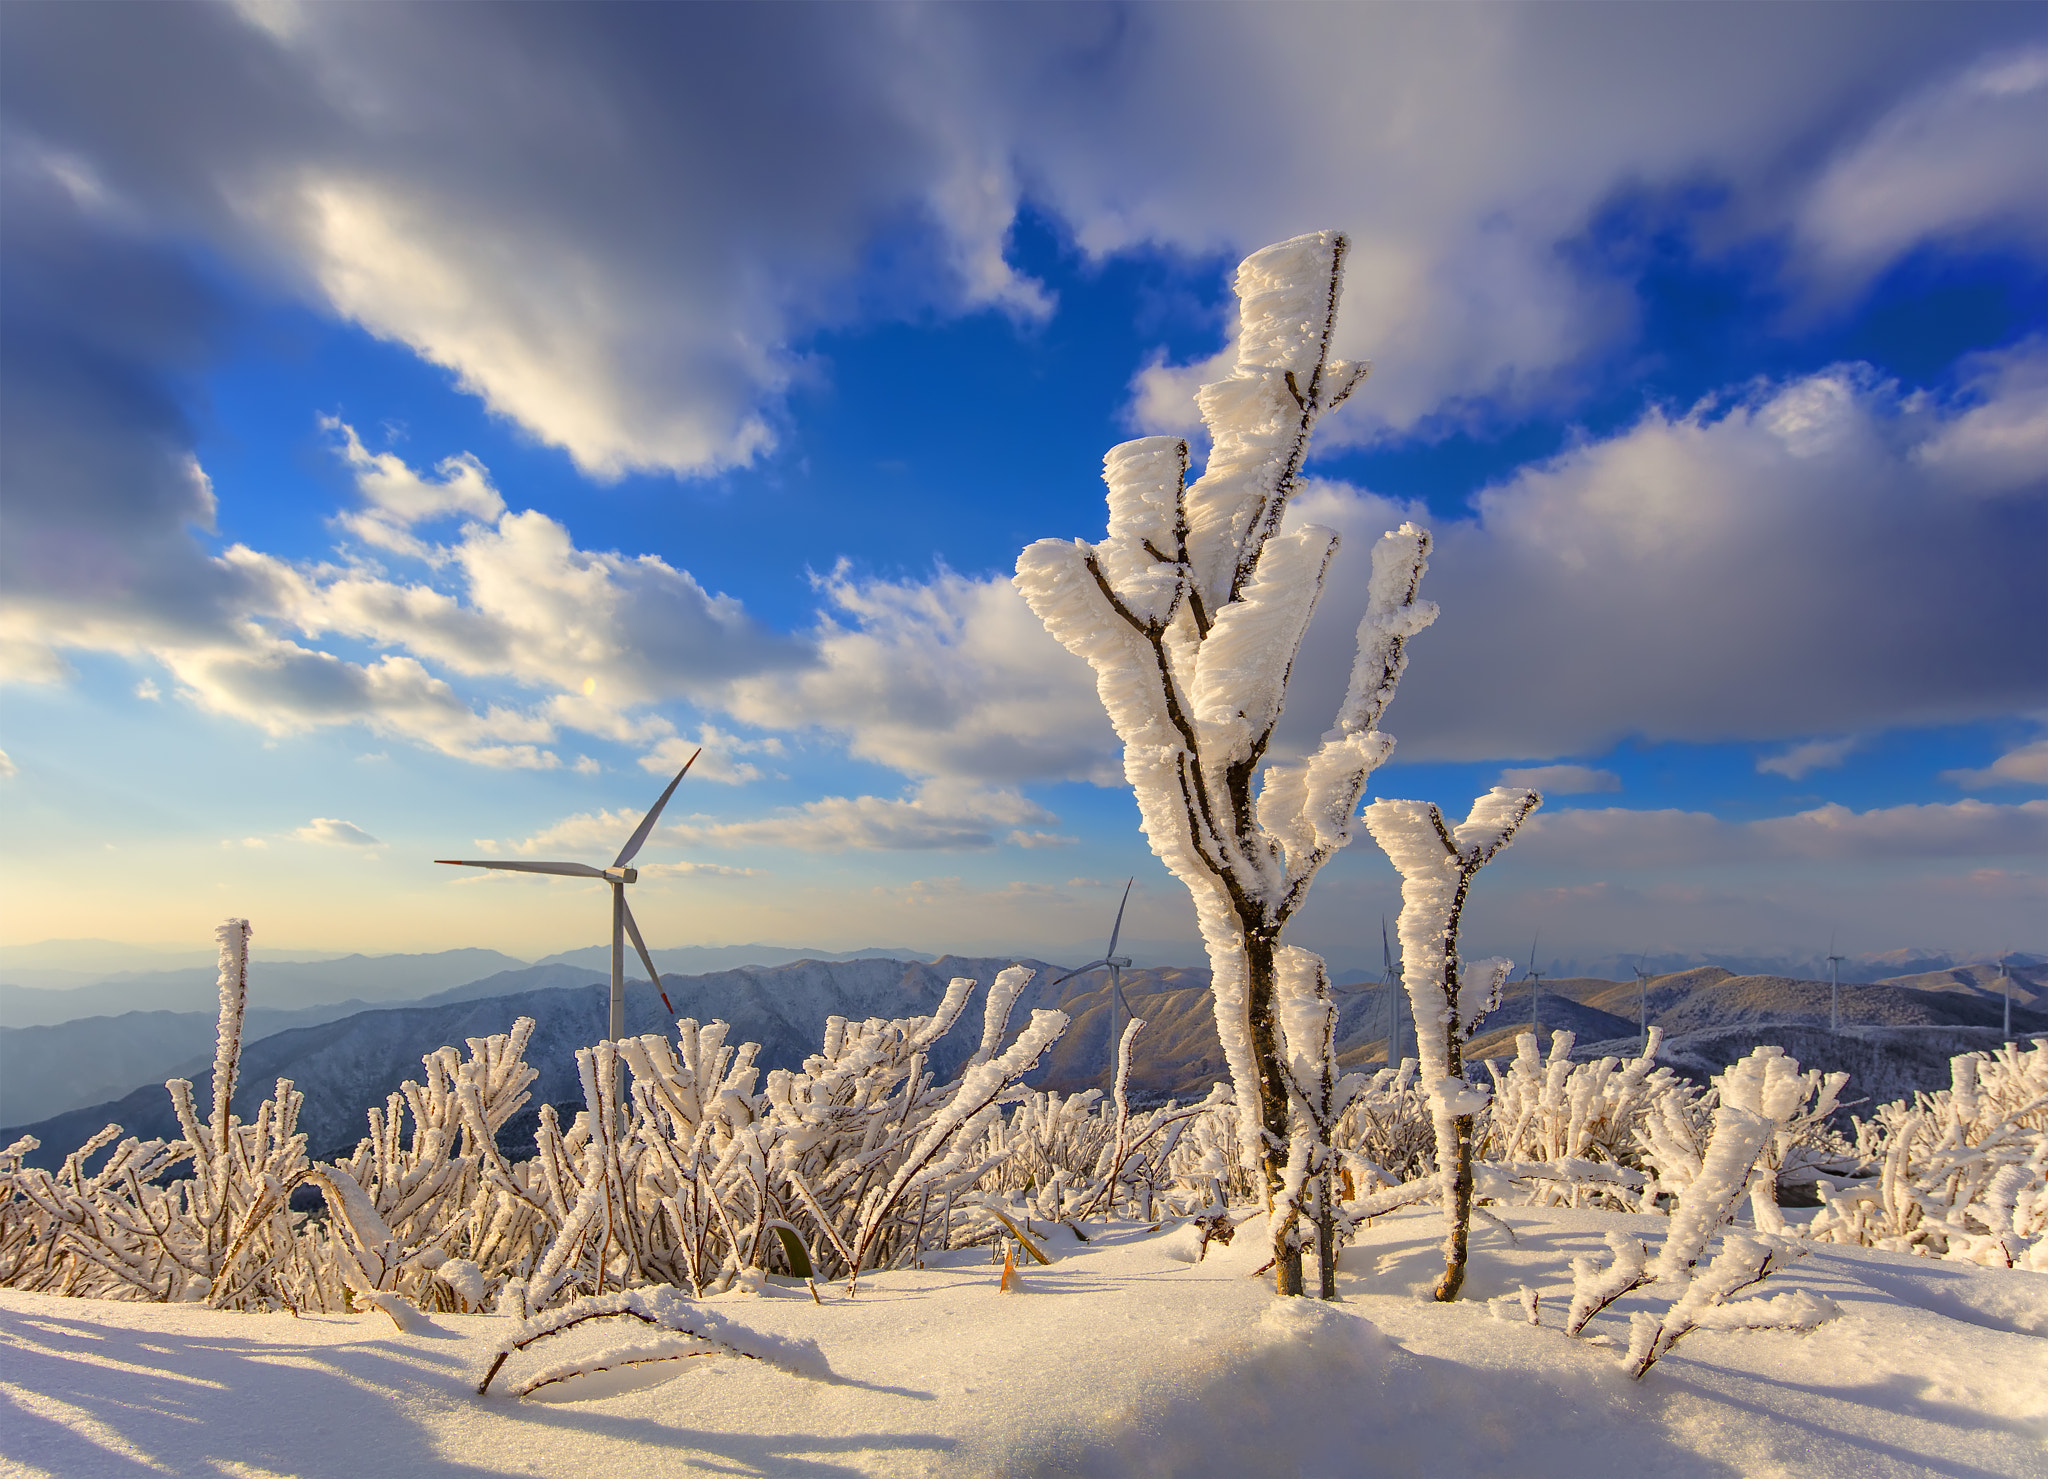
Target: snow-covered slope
1121,1359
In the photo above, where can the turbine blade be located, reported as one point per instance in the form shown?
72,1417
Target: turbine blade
633,930
639,837
566,870
1080,970
1117,928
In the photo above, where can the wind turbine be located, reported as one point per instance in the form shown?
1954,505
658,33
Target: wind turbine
1535,979
618,875
1393,984
2005,978
1643,1000
1116,964
1834,989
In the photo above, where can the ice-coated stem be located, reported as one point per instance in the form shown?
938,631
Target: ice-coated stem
1436,865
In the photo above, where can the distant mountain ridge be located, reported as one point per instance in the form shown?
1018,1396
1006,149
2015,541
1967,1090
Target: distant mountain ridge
1897,1033
285,985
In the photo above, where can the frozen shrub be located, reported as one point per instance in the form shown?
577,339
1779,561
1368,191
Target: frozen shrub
1437,863
1191,610
1962,1173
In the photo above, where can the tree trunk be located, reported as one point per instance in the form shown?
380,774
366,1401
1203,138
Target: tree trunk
1461,1207
1326,1236
1275,1123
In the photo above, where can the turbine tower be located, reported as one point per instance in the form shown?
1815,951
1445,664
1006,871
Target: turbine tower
1392,982
618,875
1535,979
1834,989
1116,964
2005,979
1643,1000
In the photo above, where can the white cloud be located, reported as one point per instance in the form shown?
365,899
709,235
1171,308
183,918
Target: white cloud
1999,444
565,216
716,762
1562,780
651,871
1755,568
2026,765
1619,838
1960,158
940,816
399,497
283,688
147,689
8,769
947,677
1802,760
335,832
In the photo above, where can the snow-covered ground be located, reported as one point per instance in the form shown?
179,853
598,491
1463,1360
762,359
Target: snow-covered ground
1120,1359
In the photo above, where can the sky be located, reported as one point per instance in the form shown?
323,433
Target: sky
422,427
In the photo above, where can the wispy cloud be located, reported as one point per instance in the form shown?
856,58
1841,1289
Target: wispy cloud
1802,760
1618,837
335,832
1562,780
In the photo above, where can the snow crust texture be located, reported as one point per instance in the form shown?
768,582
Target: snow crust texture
1118,1359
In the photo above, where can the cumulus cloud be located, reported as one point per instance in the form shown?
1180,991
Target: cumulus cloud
1757,567
335,832
714,749
1802,760
2027,765
556,206
8,769
397,497
947,677
1562,780
1999,443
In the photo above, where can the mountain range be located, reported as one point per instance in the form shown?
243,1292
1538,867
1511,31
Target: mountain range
1897,1035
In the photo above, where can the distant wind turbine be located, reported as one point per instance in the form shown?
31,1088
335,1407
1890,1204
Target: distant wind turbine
1535,979
1392,982
1834,988
618,875
2005,978
1116,964
1643,999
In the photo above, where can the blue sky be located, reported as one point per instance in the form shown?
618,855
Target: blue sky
423,426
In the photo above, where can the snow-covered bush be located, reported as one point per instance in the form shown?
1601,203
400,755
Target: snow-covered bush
700,1179
222,1234
1437,864
1559,1133
1191,611
1701,1298
1962,1172
1081,1155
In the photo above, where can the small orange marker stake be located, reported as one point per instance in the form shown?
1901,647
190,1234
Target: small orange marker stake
1009,1269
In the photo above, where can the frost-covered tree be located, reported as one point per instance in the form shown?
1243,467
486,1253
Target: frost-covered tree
1191,611
1436,863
